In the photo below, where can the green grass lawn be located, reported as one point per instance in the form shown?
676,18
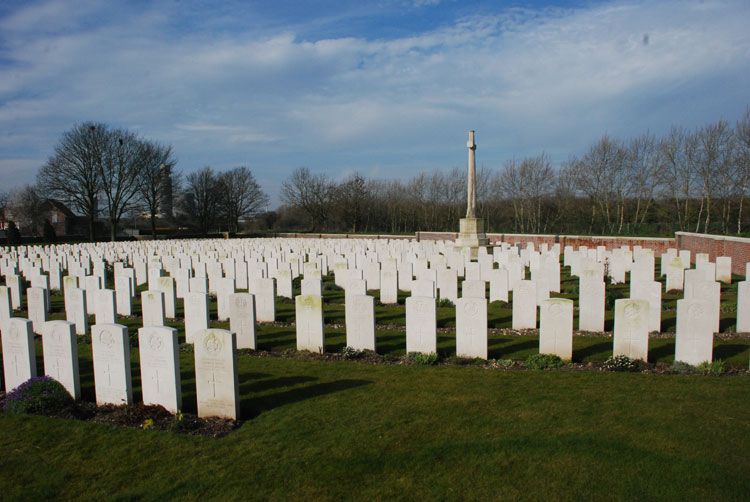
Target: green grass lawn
339,430
350,431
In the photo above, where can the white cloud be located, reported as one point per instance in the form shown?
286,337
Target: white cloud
527,80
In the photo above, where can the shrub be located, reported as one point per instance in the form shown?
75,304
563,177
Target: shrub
37,395
444,302
351,353
543,361
713,368
621,363
331,286
613,294
683,368
422,359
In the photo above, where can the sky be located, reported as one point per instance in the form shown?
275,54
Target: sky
386,88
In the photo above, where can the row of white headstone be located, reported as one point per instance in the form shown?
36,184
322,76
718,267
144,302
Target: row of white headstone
436,272
216,377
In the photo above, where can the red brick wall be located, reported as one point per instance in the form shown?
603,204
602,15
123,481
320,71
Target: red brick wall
737,248
658,245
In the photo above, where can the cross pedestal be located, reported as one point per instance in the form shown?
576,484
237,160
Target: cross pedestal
471,235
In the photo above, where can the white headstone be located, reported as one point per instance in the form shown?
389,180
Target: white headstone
160,367
36,300
650,292
743,307
309,321
124,295
631,328
421,325
473,289
499,286
111,353
471,327
105,306
556,328
591,305
19,353
242,319
265,299
724,269
196,315
152,308
695,337
310,286
388,285
60,348
524,305
360,322
423,287
216,378
166,286
448,284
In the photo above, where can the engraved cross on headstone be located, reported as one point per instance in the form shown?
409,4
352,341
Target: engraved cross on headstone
213,381
57,367
107,371
155,378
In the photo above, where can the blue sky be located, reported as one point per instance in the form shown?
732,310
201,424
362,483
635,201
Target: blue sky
388,88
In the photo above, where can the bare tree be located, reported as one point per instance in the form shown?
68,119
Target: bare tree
74,173
158,180
742,135
642,164
527,184
309,192
25,207
4,199
678,171
121,175
239,196
201,196
599,175
352,199
714,142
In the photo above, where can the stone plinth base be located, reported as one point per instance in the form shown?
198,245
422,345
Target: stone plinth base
471,235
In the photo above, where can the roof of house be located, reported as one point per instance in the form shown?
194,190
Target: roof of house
52,204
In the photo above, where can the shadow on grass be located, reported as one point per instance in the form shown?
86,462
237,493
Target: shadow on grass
728,350
512,349
251,408
663,350
591,350
264,385
727,322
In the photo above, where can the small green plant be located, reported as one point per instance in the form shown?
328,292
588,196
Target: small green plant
713,368
683,368
351,353
422,359
331,286
543,361
444,302
37,395
187,347
147,424
621,363
506,363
